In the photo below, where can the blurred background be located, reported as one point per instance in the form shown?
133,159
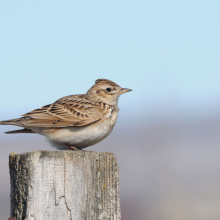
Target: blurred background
167,136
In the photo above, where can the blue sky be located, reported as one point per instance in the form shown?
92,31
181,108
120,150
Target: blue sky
168,52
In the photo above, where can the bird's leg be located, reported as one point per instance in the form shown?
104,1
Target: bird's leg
72,147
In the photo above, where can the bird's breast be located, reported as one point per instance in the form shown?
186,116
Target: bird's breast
84,136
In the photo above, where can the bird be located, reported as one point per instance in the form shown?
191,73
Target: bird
75,122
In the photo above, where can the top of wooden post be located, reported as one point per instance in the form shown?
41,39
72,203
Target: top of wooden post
55,185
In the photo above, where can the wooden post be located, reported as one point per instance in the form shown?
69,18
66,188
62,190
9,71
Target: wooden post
64,185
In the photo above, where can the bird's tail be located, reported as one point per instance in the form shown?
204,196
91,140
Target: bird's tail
16,122
25,130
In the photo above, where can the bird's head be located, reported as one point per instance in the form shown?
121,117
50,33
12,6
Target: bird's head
105,91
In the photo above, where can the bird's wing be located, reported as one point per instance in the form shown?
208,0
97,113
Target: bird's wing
68,111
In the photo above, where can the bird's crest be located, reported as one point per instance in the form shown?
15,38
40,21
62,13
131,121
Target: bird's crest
106,81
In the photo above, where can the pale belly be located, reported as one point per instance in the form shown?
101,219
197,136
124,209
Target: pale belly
80,137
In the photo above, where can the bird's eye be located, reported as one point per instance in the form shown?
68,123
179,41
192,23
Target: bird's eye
108,89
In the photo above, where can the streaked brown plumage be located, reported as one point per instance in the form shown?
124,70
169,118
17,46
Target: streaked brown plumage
75,116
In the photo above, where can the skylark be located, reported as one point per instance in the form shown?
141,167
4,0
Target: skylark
75,121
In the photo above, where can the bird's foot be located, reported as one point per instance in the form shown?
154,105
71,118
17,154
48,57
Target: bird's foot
72,147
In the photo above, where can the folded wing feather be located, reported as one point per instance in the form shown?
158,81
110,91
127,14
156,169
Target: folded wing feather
72,111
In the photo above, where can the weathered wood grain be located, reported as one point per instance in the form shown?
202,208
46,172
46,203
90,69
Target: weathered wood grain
64,185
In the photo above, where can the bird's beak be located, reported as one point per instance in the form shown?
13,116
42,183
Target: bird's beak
124,90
